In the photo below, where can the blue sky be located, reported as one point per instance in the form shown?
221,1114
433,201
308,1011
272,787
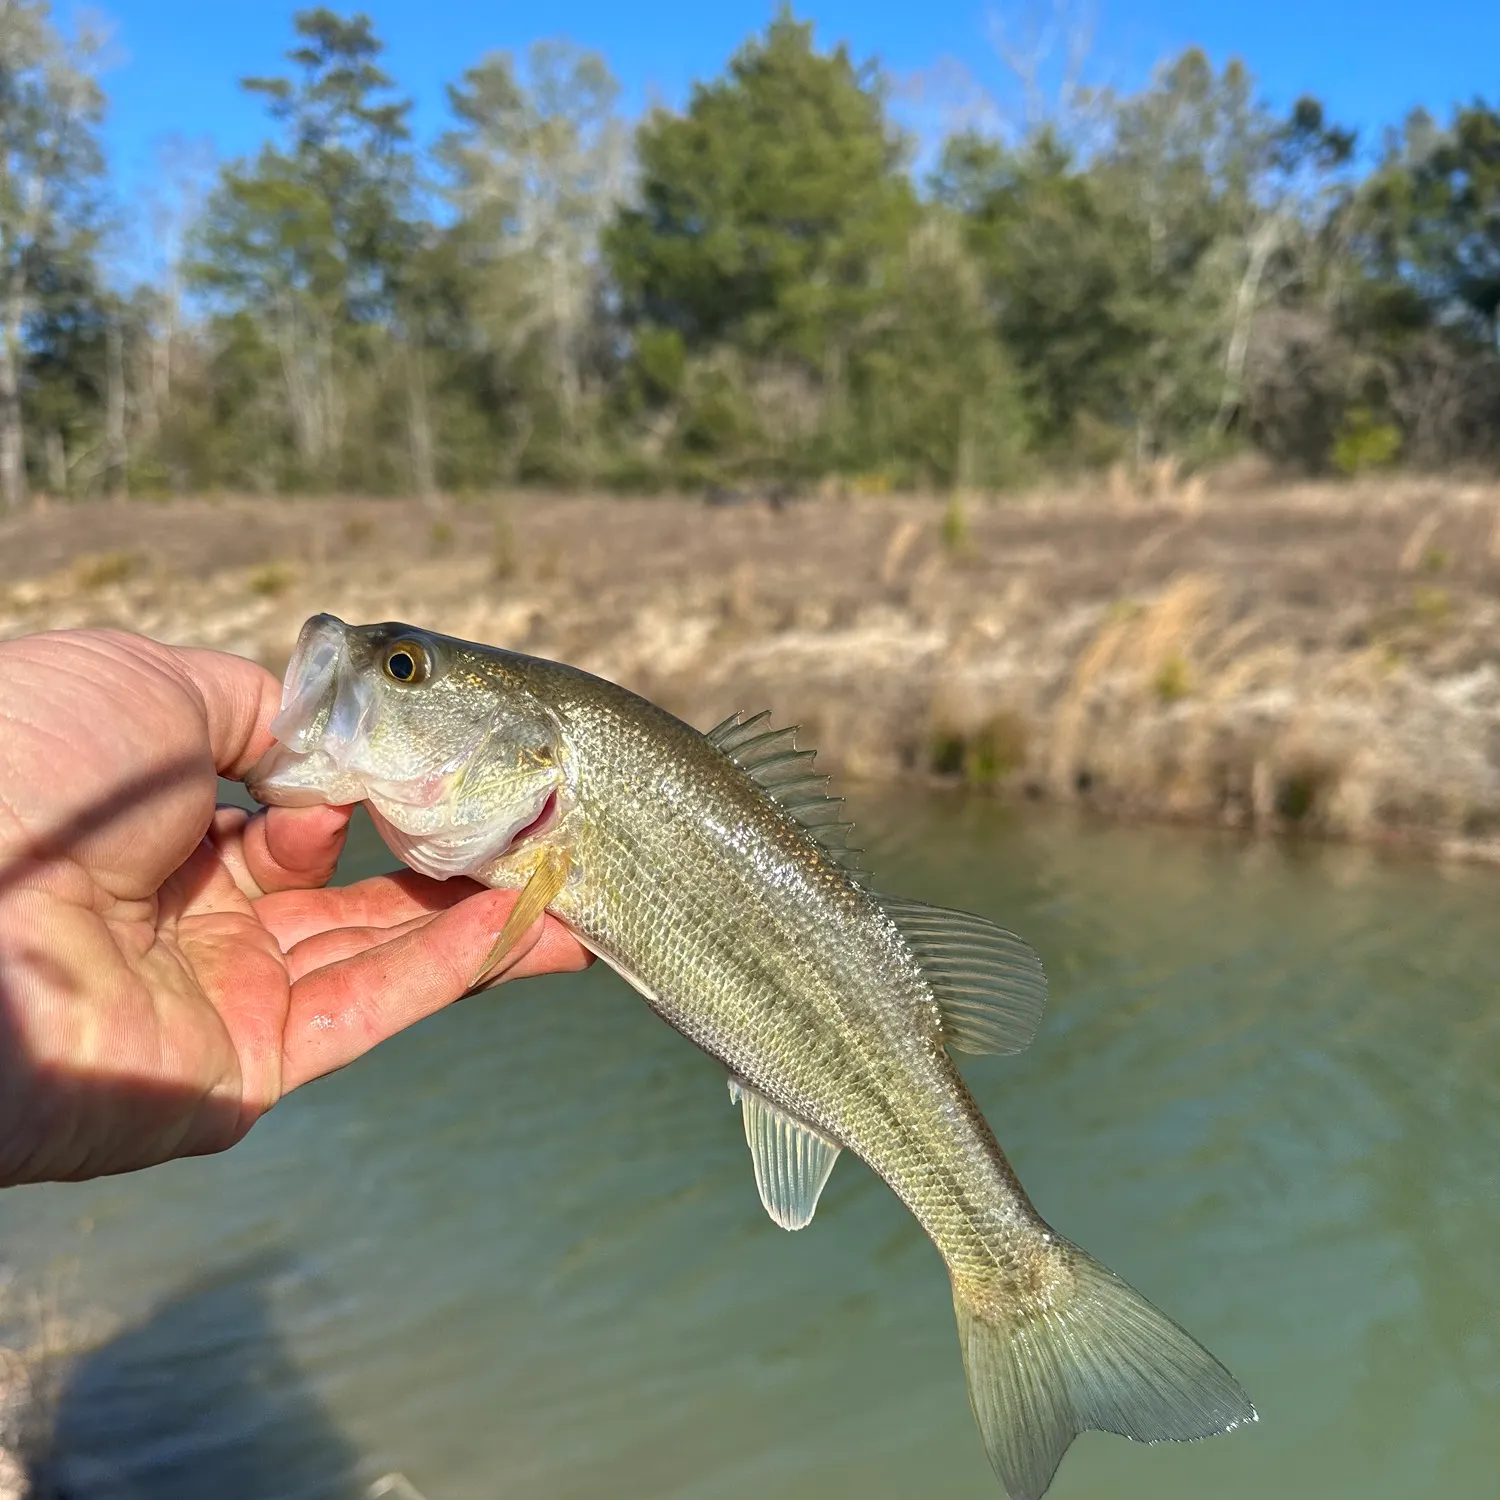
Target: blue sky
177,61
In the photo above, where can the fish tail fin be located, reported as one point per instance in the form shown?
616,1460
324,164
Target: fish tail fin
1090,1353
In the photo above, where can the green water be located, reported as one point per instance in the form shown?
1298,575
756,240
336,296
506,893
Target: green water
518,1252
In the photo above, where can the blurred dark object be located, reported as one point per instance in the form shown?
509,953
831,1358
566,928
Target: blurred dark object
199,1399
719,497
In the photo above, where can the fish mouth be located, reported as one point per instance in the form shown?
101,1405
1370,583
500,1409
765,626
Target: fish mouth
323,706
310,689
330,708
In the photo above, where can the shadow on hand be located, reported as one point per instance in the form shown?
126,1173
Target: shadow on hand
89,1112
128,798
198,1400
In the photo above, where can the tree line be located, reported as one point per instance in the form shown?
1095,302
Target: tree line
763,287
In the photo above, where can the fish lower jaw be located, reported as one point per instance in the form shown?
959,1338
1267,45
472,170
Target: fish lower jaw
442,855
478,852
284,777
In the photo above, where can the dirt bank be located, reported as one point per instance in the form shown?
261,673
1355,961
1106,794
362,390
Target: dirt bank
1319,658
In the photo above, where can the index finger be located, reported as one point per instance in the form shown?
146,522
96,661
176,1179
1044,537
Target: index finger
341,1010
292,848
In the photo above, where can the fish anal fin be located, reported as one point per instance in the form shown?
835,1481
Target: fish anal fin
1097,1356
771,759
791,1160
988,983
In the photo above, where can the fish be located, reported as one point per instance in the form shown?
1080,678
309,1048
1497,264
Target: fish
714,872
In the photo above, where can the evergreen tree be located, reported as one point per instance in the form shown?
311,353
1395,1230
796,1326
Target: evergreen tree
768,211
309,239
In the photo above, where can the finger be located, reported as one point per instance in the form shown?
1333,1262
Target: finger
339,943
550,948
292,848
545,953
281,848
226,835
342,1010
381,901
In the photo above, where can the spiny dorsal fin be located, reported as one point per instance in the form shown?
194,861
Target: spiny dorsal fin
791,1161
771,759
988,983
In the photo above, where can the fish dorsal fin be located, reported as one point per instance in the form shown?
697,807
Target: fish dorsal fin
988,983
771,759
792,1161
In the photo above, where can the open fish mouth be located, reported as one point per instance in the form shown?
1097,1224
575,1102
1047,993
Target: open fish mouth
329,710
310,690
323,708
337,743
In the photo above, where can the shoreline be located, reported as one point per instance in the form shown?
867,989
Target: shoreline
1314,659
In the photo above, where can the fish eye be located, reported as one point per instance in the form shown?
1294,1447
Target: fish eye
407,662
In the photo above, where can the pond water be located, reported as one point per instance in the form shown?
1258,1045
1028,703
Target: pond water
518,1251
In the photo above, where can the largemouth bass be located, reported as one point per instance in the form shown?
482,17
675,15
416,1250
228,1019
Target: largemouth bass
713,872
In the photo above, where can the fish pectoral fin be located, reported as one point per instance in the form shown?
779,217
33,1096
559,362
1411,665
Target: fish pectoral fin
792,1161
539,892
988,983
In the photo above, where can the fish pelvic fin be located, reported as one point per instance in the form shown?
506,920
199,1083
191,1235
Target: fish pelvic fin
1091,1353
792,1160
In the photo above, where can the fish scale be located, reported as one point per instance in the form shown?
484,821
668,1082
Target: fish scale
716,881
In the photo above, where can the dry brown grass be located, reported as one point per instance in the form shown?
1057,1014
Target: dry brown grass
1071,721
903,534
98,570
1317,657
1416,544
271,580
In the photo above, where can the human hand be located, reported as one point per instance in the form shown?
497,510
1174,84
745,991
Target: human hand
169,970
